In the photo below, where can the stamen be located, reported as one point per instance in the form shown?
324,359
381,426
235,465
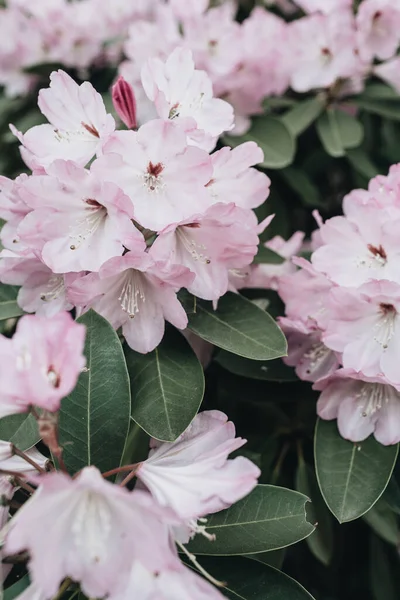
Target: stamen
54,288
385,327
132,293
372,397
86,227
152,178
190,244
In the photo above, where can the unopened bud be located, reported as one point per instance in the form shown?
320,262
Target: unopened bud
124,102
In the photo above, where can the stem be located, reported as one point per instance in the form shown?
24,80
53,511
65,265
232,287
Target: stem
121,470
128,478
193,559
29,460
279,462
63,588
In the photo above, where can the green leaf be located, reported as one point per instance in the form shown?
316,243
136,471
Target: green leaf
266,255
321,541
273,137
267,519
351,476
391,495
21,430
383,108
240,327
94,419
251,580
17,588
299,118
303,185
384,571
361,163
271,370
383,522
274,558
167,386
339,131
380,91
8,302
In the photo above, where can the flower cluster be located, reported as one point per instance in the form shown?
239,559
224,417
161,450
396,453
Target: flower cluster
113,541
154,212
342,313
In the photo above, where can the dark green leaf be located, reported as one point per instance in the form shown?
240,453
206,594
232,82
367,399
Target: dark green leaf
391,495
8,302
239,327
273,137
266,255
271,370
301,183
383,108
251,580
167,386
380,91
339,131
384,522
299,118
268,518
21,430
384,571
274,558
361,163
351,476
321,541
16,589
94,419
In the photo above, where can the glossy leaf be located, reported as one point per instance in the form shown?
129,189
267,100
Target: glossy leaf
383,521
251,580
321,541
303,185
361,163
275,139
21,430
299,118
238,326
167,386
274,558
384,108
271,370
16,589
384,571
351,476
8,302
94,419
269,518
339,131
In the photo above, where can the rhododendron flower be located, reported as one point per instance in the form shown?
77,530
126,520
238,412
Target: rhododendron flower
389,72
162,175
365,327
306,352
323,50
224,237
97,530
185,9
267,275
35,367
12,207
178,583
193,475
325,6
362,405
124,102
82,221
42,291
378,25
234,179
78,127
182,93
135,292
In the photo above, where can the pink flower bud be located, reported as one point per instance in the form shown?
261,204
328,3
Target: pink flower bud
124,102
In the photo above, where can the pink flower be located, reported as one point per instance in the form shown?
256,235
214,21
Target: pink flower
12,207
224,237
362,405
389,71
42,291
124,102
306,352
135,292
323,50
234,179
178,583
267,275
378,25
189,9
325,6
363,246
36,369
365,327
193,475
79,124
182,93
162,175
81,221
100,530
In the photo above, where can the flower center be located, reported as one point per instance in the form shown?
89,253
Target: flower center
132,293
53,377
153,180
372,396
95,213
316,354
378,253
189,243
54,288
385,327
92,526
